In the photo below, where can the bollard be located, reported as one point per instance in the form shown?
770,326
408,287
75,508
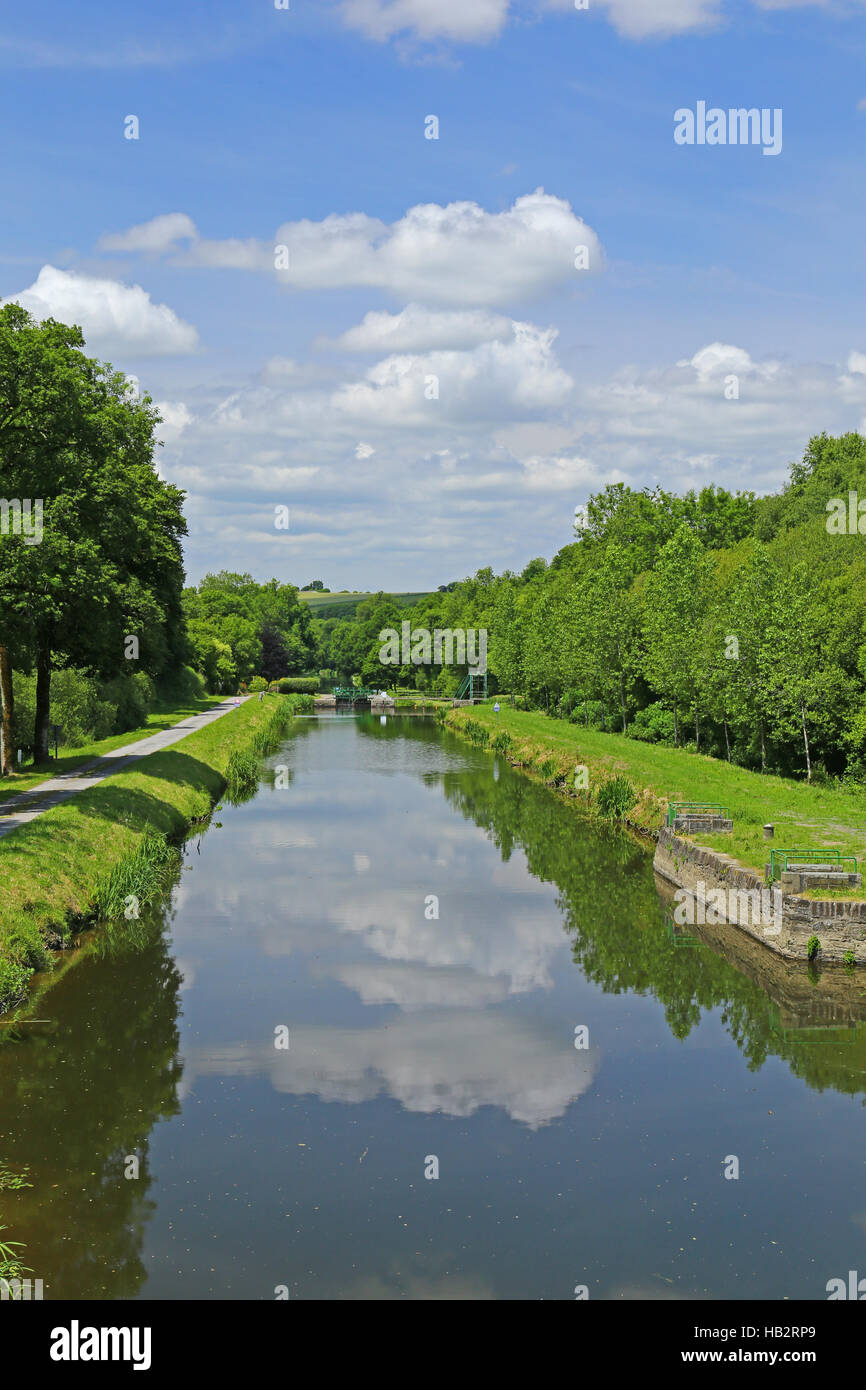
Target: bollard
769,832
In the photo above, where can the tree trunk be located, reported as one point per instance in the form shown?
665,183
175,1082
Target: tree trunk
727,739
676,729
7,752
41,751
806,742
763,749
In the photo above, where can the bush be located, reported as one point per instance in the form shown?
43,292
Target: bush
182,684
75,705
301,685
258,683
615,797
655,724
133,696
813,946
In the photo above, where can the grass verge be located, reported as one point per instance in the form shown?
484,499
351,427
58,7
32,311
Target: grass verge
89,855
163,716
804,816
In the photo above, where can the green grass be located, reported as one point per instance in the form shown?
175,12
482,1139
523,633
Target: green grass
819,817
162,717
92,850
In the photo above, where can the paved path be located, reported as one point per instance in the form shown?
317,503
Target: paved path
20,809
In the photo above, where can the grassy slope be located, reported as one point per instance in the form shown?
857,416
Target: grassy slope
52,867
804,816
162,717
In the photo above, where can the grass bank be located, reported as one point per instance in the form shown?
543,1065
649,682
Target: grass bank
804,816
87,855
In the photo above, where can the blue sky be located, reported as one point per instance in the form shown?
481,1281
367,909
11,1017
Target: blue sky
412,259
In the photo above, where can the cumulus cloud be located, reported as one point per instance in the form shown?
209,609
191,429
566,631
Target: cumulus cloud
491,382
113,317
491,471
436,254
416,329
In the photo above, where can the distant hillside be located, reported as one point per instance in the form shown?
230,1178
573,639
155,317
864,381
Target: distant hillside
344,605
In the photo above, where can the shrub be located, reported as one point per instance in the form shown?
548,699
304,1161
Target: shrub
615,797
813,946
182,684
258,683
655,724
133,697
301,685
75,705
502,742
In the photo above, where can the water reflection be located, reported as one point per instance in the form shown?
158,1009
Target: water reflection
416,1031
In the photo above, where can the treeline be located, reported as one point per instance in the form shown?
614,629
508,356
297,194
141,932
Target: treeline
238,630
728,623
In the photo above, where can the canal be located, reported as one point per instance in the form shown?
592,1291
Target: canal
406,1026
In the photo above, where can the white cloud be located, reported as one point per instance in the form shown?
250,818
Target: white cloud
159,234
416,329
490,383
113,317
641,19
437,254
718,359
466,21
364,451
175,419
857,362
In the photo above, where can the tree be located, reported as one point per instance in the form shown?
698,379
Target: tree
107,565
674,604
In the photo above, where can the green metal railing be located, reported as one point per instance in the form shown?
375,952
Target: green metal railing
474,684
782,859
695,808
353,692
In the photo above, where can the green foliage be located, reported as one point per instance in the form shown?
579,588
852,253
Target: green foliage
813,946
615,797
258,683
654,724
302,685
242,773
139,876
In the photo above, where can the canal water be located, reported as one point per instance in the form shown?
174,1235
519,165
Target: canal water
408,1027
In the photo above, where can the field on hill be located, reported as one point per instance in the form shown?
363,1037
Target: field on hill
344,605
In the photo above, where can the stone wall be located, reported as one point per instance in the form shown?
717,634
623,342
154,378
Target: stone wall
839,923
